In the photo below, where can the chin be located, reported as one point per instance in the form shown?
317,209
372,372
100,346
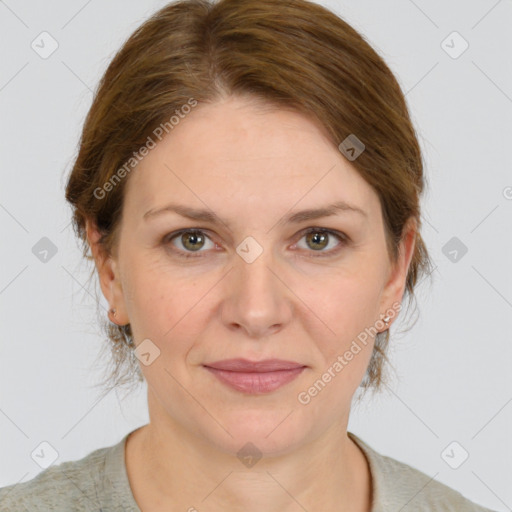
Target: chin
271,434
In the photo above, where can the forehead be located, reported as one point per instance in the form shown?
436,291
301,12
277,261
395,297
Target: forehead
236,152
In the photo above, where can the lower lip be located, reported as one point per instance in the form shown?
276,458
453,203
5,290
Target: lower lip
257,382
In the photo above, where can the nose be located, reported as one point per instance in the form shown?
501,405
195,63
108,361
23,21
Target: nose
256,301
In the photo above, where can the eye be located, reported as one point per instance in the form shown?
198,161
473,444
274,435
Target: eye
318,239
191,240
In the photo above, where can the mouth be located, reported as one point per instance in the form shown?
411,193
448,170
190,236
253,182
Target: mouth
255,377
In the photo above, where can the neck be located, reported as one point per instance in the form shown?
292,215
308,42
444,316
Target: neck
169,467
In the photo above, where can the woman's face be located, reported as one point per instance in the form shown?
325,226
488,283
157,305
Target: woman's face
254,284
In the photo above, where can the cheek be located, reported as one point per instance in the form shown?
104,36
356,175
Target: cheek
346,304
348,307
150,294
165,306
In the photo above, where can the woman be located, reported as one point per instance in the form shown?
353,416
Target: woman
248,182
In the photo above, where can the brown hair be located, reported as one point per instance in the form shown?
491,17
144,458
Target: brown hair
291,54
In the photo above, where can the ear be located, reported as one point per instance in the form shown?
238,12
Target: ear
108,273
395,285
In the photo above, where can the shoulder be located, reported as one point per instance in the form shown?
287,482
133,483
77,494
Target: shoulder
402,487
57,487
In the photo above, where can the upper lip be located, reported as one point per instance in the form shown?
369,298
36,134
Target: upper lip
245,365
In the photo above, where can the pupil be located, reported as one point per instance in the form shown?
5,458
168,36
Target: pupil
317,238
192,238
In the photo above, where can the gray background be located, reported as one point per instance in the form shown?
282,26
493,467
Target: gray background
453,380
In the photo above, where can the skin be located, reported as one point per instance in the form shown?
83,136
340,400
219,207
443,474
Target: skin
252,167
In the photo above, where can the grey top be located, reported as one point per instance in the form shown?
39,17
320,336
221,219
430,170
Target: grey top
99,482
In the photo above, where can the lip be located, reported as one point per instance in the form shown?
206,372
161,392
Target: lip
245,365
255,377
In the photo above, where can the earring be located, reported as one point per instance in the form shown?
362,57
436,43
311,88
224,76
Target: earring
386,319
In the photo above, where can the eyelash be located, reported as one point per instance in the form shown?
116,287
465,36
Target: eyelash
343,239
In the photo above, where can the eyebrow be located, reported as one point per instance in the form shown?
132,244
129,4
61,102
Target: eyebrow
205,215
